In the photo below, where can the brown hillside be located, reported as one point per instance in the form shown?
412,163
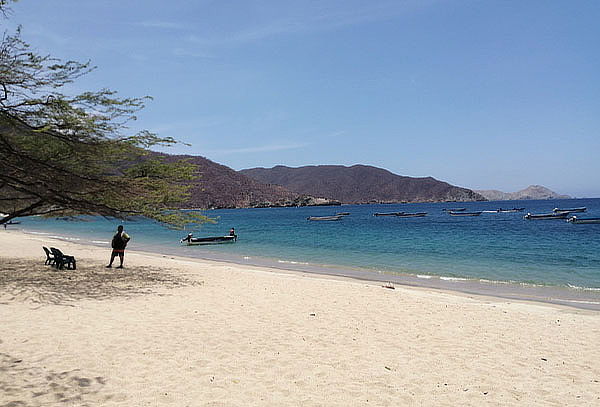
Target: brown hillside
360,184
222,187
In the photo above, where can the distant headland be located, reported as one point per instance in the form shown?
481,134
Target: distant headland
219,186
531,192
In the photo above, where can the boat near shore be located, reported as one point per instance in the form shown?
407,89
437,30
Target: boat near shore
412,215
500,210
575,219
455,210
190,240
477,213
573,210
388,213
542,216
510,210
325,218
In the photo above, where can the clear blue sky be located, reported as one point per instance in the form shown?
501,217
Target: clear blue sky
482,94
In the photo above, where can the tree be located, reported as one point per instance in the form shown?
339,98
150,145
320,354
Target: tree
65,154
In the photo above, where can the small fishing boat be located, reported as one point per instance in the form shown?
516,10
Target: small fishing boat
557,215
325,218
388,213
580,209
342,213
575,219
477,213
510,210
190,240
412,215
455,210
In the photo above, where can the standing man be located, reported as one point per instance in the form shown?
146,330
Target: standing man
119,242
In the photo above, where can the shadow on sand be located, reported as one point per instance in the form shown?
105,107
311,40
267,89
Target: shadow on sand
28,281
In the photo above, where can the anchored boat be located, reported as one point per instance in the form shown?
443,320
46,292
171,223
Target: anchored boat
580,209
412,215
575,219
510,210
190,240
452,213
388,213
557,215
326,218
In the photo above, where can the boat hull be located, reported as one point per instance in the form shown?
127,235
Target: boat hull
572,210
574,219
464,213
199,241
511,210
545,216
325,218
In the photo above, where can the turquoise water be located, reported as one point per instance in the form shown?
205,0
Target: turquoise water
498,247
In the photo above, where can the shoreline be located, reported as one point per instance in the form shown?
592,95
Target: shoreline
576,297
172,331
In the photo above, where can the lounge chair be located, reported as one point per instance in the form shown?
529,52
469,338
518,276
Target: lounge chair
61,260
49,257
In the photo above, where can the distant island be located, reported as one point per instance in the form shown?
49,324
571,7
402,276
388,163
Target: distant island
531,192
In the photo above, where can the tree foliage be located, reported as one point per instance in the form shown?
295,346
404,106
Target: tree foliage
71,154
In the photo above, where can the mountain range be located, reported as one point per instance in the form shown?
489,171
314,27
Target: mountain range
219,186
360,184
531,192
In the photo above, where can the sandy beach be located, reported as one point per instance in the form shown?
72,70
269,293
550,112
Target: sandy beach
186,332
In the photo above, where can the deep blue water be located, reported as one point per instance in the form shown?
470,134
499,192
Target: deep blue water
500,247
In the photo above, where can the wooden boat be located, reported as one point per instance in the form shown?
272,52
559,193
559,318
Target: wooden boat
510,210
557,215
326,218
455,210
575,219
190,240
500,210
581,209
342,213
412,215
388,213
465,213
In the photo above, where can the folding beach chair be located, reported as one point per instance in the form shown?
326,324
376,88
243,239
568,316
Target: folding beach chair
49,257
63,260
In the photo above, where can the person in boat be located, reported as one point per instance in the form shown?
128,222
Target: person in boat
232,233
119,242
188,238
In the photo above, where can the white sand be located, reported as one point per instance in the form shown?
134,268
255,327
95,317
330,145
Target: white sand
244,336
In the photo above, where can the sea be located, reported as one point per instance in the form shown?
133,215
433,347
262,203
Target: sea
497,254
